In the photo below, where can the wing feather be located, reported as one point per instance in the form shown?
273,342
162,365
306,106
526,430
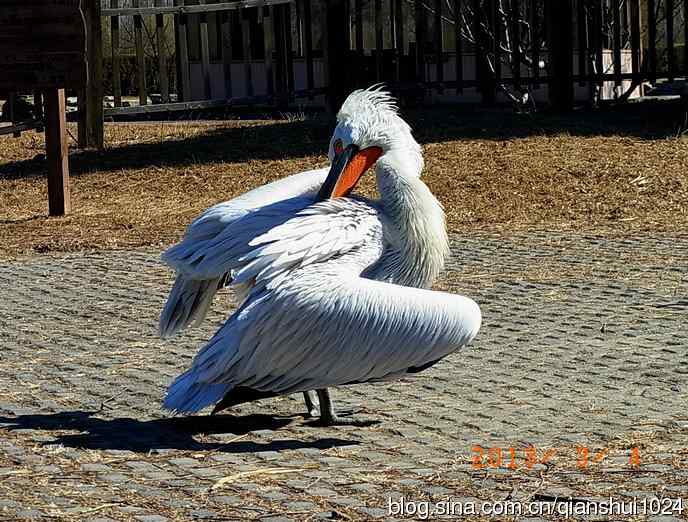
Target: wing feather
193,291
320,330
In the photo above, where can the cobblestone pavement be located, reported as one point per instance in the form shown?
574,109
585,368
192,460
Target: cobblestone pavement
582,352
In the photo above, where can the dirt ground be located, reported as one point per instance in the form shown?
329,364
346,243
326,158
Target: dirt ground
617,170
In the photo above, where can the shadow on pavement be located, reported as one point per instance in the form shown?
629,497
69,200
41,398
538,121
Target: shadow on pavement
160,434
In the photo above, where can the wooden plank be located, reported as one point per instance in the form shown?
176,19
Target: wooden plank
184,72
535,42
478,47
298,29
496,26
269,41
140,58
420,21
599,43
38,113
458,47
358,15
652,40
616,31
190,9
56,152
42,44
559,24
635,36
685,37
161,42
90,97
205,54
308,45
281,63
289,54
227,53
439,44
332,105
399,36
18,128
379,43
671,57
11,97
582,25
187,106
217,18
116,73
516,40
42,72
246,49
336,43
199,104
95,75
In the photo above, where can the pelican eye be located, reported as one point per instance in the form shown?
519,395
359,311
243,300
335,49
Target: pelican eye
338,147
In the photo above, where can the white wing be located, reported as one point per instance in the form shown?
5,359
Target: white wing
213,220
193,292
320,324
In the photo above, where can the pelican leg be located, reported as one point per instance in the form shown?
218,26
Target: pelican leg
328,417
309,398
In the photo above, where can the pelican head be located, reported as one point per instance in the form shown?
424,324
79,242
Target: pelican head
368,127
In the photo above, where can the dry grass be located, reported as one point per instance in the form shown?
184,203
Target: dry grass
494,171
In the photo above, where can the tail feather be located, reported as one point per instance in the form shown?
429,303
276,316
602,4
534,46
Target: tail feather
188,395
187,304
217,368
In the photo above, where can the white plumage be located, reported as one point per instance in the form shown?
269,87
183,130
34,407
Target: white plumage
321,281
192,294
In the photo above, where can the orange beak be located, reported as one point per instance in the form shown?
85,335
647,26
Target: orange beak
347,168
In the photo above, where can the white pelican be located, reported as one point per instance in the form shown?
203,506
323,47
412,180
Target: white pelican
320,275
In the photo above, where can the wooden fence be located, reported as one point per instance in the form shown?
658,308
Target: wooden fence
276,52
274,18
424,46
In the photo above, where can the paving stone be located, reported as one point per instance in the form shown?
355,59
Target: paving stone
577,348
95,467
131,509
227,499
113,477
184,462
159,475
300,506
275,495
202,514
374,512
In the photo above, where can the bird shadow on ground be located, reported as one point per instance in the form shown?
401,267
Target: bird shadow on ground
164,434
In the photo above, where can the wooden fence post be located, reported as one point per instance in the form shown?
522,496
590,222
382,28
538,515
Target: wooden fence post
56,152
484,75
161,42
182,50
337,56
559,31
91,97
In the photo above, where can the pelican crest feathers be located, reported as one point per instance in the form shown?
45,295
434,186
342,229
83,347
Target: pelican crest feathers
371,116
